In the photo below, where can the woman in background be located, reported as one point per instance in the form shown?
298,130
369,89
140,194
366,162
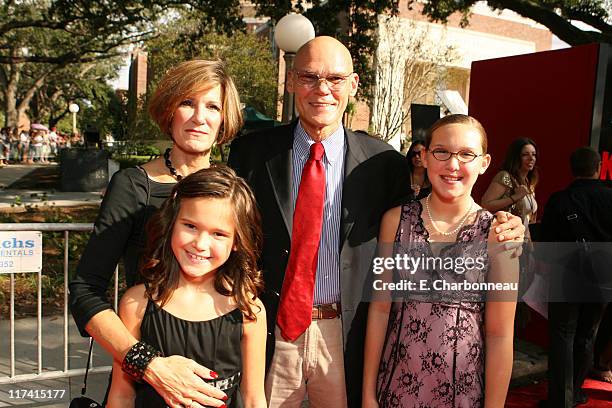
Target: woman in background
513,188
419,183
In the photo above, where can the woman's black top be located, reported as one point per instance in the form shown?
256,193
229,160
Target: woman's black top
130,200
213,343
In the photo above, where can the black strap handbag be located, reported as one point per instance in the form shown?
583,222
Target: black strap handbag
83,401
592,261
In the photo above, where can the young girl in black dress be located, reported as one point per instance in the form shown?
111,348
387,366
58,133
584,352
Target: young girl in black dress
199,293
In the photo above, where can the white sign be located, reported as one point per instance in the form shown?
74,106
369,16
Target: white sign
20,251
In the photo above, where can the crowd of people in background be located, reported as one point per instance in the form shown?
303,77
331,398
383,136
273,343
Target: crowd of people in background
34,146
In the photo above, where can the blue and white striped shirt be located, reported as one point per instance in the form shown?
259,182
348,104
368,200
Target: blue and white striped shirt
327,284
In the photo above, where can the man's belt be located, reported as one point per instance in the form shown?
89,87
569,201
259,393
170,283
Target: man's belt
326,311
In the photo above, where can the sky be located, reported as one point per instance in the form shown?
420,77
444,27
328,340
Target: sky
123,80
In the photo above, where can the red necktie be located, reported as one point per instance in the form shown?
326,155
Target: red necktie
295,310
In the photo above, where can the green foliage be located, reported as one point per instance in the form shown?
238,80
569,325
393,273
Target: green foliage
94,28
556,15
135,148
86,85
131,161
107,113
44,44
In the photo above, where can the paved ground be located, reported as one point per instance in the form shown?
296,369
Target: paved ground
18,199
26,362
529,362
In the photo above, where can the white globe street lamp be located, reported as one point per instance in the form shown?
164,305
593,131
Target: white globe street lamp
73,108
291,32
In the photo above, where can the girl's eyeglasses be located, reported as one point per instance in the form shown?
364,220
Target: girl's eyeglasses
464,156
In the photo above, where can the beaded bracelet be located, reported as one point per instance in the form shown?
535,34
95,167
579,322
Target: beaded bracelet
138,358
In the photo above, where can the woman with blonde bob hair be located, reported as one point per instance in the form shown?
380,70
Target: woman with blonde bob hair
192,77
197,105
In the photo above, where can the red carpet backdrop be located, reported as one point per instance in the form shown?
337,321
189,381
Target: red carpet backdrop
600,395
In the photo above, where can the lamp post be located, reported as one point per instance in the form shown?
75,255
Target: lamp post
73,108
291,32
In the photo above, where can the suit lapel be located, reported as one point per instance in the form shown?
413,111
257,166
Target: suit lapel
354,156
280,168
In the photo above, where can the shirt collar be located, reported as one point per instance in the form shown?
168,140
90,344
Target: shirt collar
334,144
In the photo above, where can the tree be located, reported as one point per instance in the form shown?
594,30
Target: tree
107,114
96,27
354,22
59,33
405,74
74,83
554,14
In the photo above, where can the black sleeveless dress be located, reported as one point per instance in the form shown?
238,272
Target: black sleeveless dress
212,343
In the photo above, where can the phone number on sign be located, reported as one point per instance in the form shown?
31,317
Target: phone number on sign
36,394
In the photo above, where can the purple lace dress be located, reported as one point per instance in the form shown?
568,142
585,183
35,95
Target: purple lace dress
434,350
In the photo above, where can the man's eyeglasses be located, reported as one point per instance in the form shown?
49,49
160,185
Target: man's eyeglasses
311,80
464,156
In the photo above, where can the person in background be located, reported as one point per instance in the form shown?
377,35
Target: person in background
36,145
602,359
583,211
4,146
53,142
419,183
76,140
196,104
15,140
45,148
513,187
24,143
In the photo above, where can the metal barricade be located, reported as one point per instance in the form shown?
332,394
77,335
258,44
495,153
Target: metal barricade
48,374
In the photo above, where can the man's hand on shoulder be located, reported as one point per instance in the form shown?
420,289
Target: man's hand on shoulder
509,228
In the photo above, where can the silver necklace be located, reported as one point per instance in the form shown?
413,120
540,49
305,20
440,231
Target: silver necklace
433,223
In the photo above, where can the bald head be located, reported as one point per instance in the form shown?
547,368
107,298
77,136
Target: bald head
324,47
322,80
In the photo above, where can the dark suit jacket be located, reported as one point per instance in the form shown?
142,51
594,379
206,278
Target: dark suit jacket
375,179
591,201
581,211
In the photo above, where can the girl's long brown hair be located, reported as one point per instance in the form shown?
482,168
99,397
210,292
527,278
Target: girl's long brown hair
239,277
